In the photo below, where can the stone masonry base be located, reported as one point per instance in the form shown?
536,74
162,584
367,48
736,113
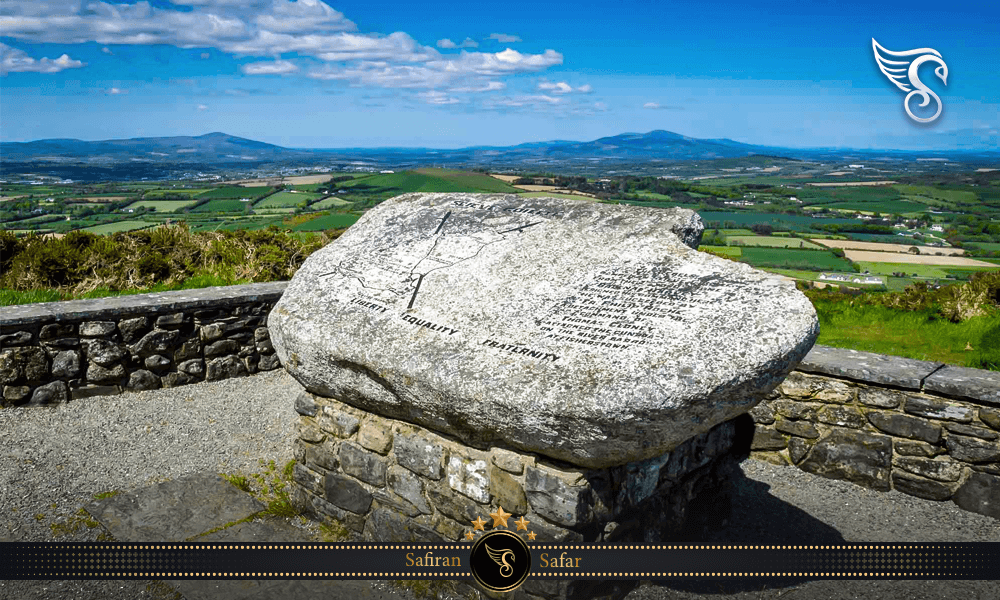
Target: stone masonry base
390,481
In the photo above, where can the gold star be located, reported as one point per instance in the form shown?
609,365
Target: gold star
522,523
469,536
479,524
531,536
500,517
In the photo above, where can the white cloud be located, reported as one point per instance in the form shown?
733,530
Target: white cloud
600,106
535,100
562,87
436,97
107,50
205,55
450,45
489,86
504,38
658,106
278,67
116,91
446,43
14,60
202,107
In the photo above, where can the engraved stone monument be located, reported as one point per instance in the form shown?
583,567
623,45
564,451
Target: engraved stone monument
575,362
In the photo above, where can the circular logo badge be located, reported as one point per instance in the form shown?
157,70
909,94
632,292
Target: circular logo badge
500,561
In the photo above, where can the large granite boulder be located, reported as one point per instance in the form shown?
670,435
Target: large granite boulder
586,332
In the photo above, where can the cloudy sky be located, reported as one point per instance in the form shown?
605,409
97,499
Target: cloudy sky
457,73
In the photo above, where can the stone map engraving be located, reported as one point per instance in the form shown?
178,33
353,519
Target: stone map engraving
636,305
394,273
586,332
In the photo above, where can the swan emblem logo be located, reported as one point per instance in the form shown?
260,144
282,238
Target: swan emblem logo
500,557
901,69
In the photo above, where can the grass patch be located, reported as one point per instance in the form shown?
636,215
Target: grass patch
106,228
725,251
922,335
328,222
793,258
286,199
73,524
230,192
331,202
558,195
222,205
771,242
103,495
162,206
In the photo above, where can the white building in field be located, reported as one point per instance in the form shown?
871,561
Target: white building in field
851,278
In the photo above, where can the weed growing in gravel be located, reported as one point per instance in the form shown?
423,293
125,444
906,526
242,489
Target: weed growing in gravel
103,495
269,486
73,524
428,588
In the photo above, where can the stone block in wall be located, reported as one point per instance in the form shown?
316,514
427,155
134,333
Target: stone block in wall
374,435
195,367
269,362
158,341
937,409
921,487
767,438
133,329
189,349
507,492
469,476
222,348
211,332
941,469
905,426
801,386
905,448
880,397
452,504
100,374
512,462
972,450
143,380
264,347
449,530
156,362
49,393
791,409
419,454
843,416
346,493
972,431
57,330
408,486
15,393
309,432
66,364
322,453
171,321
559,496
762,414
97,328
990,417
383,499
854,456
260,334
338,421
800,428
305,404
61,343
798,448
311,480
386,526
980,494
103,352
869,367
362,464
25,362
18,338
965,383
224,367
175,379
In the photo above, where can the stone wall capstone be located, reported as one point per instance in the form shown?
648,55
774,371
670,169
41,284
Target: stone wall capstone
59,351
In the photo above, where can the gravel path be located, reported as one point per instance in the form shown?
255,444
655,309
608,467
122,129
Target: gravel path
54,460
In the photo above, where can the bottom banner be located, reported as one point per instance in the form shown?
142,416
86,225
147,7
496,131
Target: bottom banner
500,561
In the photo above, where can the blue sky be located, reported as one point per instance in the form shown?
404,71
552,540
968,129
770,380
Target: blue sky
457,73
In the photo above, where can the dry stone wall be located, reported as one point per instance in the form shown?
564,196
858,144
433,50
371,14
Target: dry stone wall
60,351
922,428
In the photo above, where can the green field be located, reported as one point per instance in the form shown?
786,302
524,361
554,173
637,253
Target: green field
162,206
222,206
878,268
941,196
338,221
730,251
235,192
771,242
330,202
555,195
117,226
427,180
989,246
159,193
793,258
887,207
287,199
748,218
